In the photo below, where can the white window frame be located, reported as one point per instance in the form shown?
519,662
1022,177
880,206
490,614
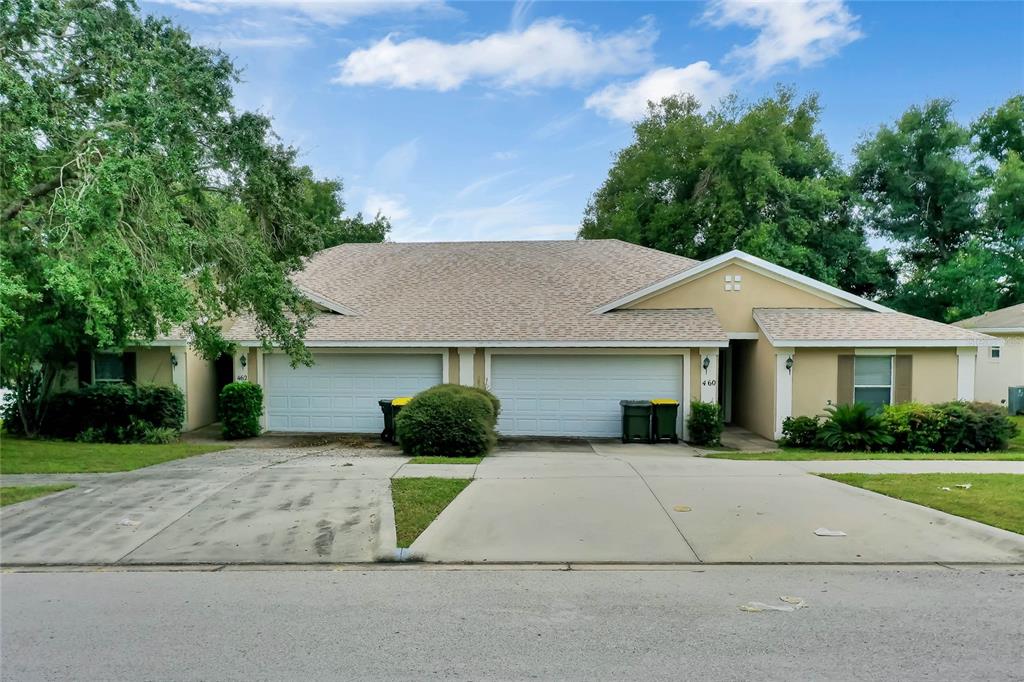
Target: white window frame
96,377
995,353
890,385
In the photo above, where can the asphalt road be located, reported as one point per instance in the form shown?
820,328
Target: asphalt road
422,622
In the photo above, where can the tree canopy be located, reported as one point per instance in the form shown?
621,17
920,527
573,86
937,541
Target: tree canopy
950,198
134,197
758,177
946,199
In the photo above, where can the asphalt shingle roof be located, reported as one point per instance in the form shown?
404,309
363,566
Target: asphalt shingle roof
852,324
493,291
1004,318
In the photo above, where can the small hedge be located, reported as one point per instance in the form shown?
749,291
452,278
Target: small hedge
907,427
448,421
705,423
111,413
240,407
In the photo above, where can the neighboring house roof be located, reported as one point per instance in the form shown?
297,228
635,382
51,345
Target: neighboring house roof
852,327
1009,319
766,267
497,292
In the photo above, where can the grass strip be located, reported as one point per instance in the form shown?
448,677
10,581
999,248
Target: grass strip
418,501
22,493
995,499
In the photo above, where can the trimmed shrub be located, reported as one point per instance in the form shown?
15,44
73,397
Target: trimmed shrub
240,406
914,427
115,413
853,427
448,421
800,432
162,407
705,423
976,427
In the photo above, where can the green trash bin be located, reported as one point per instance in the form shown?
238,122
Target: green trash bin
663,419
391,408
636,421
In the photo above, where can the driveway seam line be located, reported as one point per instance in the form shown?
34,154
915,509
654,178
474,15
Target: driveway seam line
208,497
662,508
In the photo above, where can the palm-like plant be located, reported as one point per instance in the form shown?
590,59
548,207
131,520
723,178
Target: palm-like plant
853,427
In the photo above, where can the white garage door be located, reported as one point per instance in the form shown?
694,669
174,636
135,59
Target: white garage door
578,395
340,392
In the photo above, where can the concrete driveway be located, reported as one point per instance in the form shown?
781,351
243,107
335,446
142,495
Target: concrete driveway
626,504
575,502
300,505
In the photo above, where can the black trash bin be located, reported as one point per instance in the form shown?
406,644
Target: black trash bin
636,421
388,434
391,408
663,419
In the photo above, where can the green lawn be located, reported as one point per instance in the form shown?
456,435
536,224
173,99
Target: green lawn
418,501
21,493
995,499
20,456
797,454
1018,442
446,460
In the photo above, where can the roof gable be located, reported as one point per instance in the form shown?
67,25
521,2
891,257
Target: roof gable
759,265
1010,319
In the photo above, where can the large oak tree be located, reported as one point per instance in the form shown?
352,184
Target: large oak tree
134,197
758,177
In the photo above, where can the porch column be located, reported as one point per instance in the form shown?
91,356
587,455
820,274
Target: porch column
466,366
709,375
179,369
966,361
783,387
240,364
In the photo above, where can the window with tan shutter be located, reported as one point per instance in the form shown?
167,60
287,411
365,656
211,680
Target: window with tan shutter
872,380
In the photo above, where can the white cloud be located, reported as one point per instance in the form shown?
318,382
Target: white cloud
234,41
548,53
806,32
391,205
520,10
481,183
628,101
330,12
395,165
505,155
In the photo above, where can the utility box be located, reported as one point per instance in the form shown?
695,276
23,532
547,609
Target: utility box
1015,400
636,421
663,420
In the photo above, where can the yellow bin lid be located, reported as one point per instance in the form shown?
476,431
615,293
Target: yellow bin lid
664,401
404,400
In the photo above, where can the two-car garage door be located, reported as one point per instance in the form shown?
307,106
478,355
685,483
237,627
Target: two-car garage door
541,395
340,392
577,395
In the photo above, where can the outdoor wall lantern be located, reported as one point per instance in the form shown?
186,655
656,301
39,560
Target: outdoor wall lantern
706,363
174,360
242,360
789,364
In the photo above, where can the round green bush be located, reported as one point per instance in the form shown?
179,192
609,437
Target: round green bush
241,405
705,423
914,427
448,421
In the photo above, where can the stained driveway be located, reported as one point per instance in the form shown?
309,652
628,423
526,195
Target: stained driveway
603,502
659,504
245,505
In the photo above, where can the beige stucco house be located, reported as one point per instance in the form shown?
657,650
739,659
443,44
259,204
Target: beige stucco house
561,331
1002,366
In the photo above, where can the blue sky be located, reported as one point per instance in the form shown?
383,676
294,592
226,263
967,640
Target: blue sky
496,120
